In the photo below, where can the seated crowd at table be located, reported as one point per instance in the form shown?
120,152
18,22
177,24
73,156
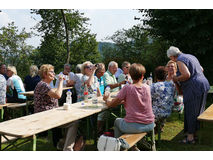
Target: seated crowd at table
145,103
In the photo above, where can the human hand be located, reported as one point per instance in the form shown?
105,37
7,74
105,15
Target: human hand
106,96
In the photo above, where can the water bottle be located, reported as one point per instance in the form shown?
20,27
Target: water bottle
150,80
94,97
69,97
107,91
85,93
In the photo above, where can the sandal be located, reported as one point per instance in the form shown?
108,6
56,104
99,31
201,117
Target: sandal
186,141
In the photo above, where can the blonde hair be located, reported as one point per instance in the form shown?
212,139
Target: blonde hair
13,69
44,69
83,66
170,62
33,70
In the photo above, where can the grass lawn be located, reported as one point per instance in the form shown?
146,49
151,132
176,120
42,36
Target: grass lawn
173,132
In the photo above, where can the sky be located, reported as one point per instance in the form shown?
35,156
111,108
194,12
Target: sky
104,22
106,17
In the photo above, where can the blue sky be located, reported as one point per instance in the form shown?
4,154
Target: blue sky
104,22
106,17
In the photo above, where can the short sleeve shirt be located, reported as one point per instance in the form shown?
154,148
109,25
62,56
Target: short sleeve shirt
95,85
42,101
137,103
109,78
162,98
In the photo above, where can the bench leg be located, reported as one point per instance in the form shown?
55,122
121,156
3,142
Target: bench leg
34,142
0,141
153,140
159,132
2,114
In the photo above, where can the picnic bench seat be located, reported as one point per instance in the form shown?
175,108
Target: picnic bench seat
207,117
133,139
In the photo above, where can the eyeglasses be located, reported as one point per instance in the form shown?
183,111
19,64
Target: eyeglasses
52,72
126,67
88,67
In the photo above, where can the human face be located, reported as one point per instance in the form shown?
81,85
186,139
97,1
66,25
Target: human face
50,75
9,73
88,69
100,73
67,70
171,68
113,69
126,69
3,69
173,58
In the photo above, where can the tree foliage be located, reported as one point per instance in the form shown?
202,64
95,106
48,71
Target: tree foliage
83,45
136,46
13,48
190,30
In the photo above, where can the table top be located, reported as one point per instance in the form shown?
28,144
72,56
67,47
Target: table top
35,123
207,115
31,93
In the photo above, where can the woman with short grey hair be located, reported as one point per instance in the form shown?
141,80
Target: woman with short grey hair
194,86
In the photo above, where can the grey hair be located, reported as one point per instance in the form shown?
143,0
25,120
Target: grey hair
67,65
173,51
112,63
78,68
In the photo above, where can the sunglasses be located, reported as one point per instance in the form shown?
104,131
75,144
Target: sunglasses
126,67
88,67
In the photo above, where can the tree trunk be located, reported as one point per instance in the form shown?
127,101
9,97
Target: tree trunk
67,35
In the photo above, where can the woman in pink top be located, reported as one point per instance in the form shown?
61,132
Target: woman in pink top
137,103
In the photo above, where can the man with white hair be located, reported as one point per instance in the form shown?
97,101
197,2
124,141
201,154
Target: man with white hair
109,77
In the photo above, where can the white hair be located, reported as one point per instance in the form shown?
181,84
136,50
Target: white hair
173,51
112,63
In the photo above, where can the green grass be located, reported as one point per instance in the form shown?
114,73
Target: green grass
173,132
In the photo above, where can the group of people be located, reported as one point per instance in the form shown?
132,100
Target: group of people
145,104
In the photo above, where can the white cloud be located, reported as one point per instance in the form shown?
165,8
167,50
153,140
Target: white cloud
4,19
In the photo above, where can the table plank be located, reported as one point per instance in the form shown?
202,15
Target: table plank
207,115
31,93
32,124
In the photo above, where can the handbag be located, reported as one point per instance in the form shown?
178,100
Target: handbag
106,143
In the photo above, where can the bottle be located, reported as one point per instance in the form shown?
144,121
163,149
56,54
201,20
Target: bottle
94,97
150,80
69,97
107,91
85,93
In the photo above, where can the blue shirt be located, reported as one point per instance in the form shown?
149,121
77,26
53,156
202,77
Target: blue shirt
101,84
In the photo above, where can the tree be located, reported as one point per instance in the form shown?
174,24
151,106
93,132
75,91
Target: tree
53,47
13,48
136,46
190,30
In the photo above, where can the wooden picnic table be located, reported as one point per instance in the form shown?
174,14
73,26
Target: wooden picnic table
31,125
31,93
207,115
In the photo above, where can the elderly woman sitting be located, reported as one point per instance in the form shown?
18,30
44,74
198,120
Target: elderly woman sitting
162,93
46,98
16,85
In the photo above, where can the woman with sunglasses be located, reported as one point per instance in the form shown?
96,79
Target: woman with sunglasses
88,79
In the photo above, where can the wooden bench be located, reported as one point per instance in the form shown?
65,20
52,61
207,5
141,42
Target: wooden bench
206,116
133,139
10,106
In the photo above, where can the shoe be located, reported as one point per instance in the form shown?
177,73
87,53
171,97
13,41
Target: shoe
186,141
79,144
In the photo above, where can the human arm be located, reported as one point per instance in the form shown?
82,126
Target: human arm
112,103
185,74
57,92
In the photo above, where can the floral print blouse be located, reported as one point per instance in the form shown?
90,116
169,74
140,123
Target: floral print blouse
42,101
95,85
162,99
2,89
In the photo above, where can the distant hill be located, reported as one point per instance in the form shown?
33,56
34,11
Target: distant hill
102,44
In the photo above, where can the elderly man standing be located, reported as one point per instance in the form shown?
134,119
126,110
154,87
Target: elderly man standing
110,79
